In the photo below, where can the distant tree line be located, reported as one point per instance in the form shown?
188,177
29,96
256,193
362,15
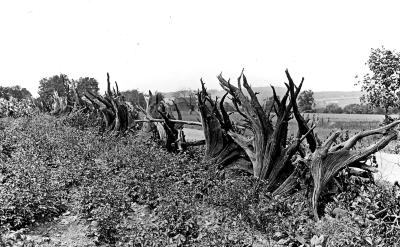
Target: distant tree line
306,104
63,86
354,109
381,88
15,92
135,97
185,99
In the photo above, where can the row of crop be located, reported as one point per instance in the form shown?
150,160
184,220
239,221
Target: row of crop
17,108
105,179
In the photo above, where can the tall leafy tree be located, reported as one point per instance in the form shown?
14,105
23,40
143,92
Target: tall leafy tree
306,101
47,86
357,109
135,97
333,108
84,84
63,86
381,86
15,92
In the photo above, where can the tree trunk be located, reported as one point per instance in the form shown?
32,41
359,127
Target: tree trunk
285,165
327,161
267,148
112,107
220,147
168,130
60,105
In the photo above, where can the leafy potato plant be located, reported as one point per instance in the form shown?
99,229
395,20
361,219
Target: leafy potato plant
54,166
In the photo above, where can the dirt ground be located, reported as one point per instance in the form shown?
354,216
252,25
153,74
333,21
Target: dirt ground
66,230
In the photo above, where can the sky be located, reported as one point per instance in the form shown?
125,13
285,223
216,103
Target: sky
170,45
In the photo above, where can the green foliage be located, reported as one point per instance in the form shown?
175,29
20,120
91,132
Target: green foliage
84,84
306,101
29,190
135,97
56,83
63,86
134,193
370,221
14,92
333,108
185,99
47,161
357,109
382,85
83,120
17,108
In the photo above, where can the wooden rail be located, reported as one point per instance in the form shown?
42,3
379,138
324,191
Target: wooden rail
172,120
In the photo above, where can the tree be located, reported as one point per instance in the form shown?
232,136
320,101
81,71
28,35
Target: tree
84,84
112,107
189,98
184,93
268,149
382,86
221,149
306,101
285,163
61,91
357,109
16,92
333,108
352,109
135,97
57,83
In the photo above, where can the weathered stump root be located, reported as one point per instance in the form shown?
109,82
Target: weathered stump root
221,149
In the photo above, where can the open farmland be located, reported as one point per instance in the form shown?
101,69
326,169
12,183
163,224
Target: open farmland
325,122
62,186
323,119
126,176
346,117
322,98
192,124
129,185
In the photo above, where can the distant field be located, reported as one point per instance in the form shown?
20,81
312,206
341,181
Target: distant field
342,98
347,117
326,124
323,120
356,122
326,116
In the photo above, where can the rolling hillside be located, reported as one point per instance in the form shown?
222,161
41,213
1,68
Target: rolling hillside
322,98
